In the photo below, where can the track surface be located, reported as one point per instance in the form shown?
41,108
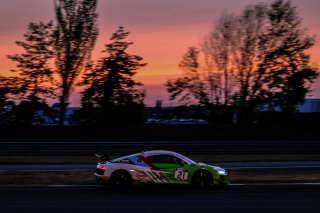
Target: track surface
242,198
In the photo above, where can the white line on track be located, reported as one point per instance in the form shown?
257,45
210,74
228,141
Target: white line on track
46,170
273,184
99,186
269,167
74,186
232,184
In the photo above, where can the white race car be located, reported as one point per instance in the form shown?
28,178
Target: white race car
159,167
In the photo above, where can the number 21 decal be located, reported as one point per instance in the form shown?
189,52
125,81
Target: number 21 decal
181,174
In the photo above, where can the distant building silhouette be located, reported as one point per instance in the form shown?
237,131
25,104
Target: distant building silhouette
159,104
68,113
310,105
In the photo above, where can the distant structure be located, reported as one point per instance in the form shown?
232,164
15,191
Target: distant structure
310,105
9,106
56,106
68,113
158,104
180,115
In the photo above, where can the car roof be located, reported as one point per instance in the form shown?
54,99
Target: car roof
159,152
166,152
148,153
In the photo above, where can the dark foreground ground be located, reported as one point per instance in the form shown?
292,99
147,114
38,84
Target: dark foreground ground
239,198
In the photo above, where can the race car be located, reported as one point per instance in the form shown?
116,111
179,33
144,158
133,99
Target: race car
157,167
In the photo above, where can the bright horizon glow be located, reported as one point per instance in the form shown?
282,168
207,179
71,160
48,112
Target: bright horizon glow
162,31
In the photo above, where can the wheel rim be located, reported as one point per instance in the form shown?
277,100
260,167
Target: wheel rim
121,179
202,179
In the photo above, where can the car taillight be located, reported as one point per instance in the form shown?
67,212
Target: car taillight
102,167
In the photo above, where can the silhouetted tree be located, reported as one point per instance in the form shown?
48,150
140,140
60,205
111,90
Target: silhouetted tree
36,77
218,48
249,28
256,59
111,88
75,37
8,90
27,113
191,88
6,86
285,73
3,92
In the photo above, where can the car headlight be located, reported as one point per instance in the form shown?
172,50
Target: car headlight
222,172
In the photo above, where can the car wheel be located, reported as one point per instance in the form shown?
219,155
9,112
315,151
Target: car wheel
202,179
120,179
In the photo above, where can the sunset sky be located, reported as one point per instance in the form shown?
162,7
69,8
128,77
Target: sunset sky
162,31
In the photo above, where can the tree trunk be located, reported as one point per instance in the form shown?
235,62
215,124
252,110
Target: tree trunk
62,111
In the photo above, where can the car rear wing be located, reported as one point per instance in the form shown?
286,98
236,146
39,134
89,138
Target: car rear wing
102,158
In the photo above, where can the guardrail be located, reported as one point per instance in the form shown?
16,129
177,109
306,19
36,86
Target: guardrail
195,147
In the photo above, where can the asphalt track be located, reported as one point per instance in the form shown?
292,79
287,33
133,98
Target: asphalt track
235,198
228,166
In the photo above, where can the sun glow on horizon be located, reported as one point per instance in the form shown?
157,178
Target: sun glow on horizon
161,31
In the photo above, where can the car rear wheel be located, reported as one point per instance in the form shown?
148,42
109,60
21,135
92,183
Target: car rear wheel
120,179
202,179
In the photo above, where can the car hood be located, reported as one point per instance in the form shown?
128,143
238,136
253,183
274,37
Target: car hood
217,168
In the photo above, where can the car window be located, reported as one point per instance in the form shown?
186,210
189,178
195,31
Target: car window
164,159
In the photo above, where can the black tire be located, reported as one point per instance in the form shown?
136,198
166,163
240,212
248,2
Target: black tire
120,179
202,179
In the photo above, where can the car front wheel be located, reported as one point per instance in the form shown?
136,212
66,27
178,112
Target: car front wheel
202,179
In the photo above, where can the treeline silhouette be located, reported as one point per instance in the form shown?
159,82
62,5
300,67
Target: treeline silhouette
253,62
62,51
